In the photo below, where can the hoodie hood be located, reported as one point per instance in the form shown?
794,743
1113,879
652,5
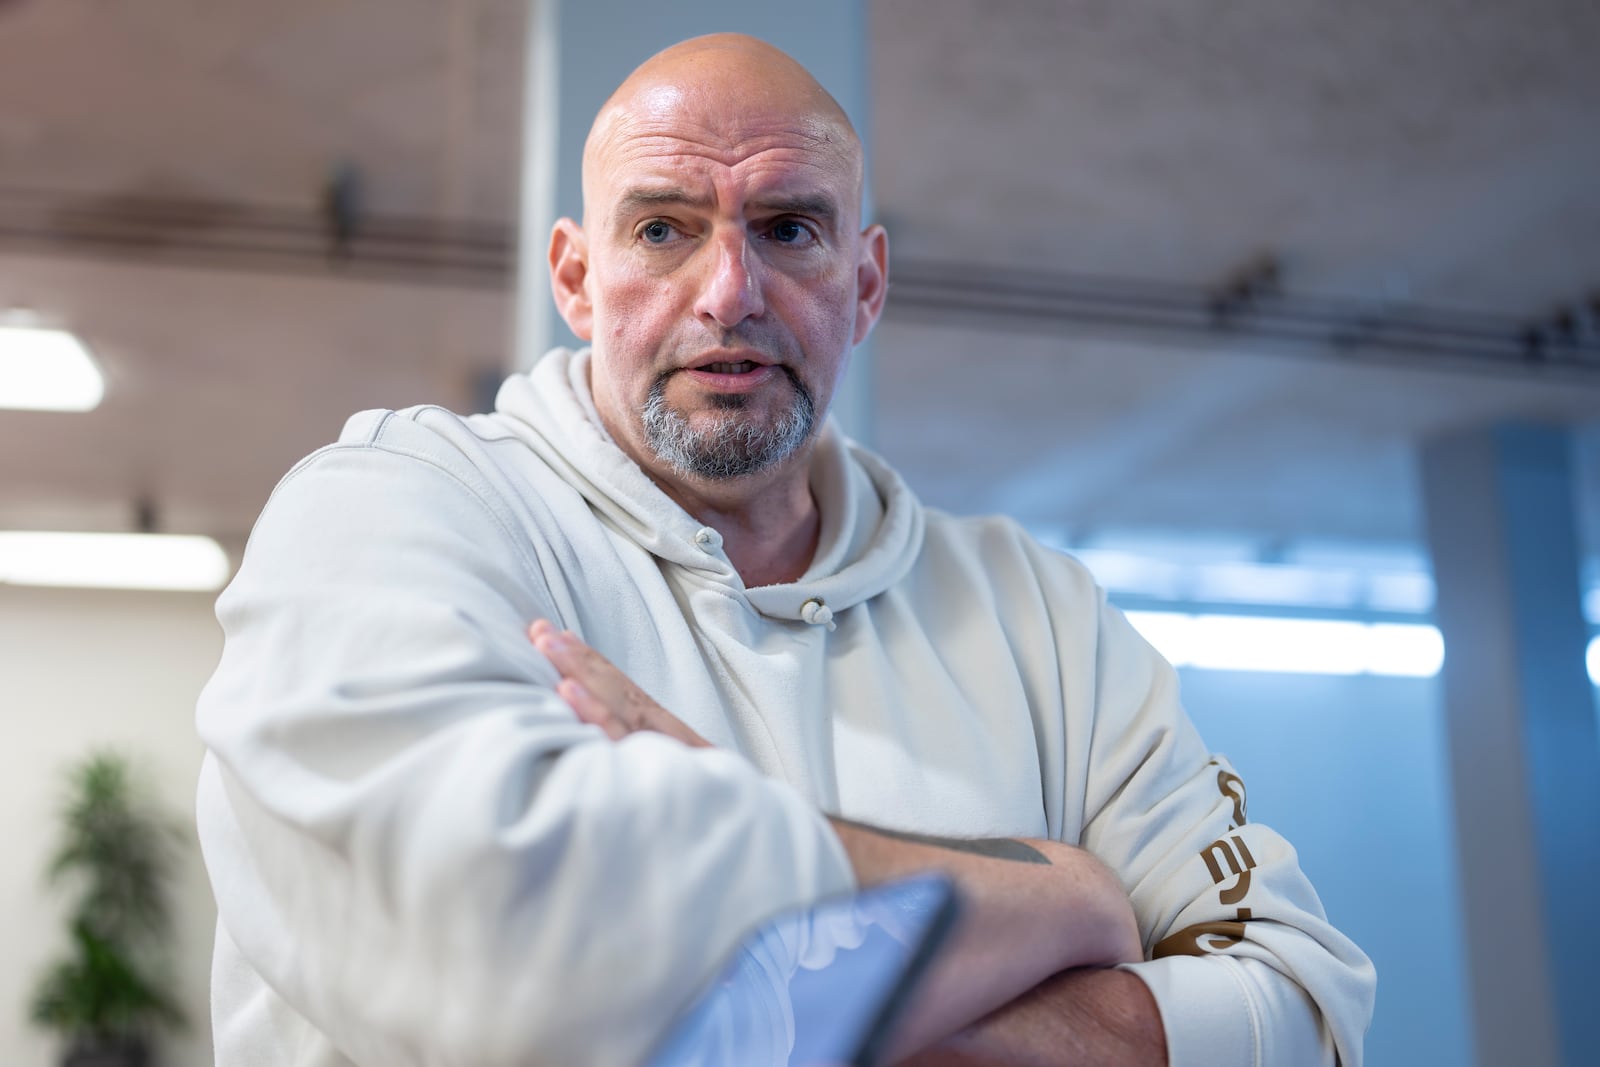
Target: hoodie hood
872,524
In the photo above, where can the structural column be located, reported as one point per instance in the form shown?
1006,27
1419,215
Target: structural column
1524,751
580,50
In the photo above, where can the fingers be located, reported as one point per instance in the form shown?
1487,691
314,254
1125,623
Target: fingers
579,662
559,647
591,710
600,693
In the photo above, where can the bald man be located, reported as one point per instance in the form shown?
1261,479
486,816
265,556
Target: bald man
523,718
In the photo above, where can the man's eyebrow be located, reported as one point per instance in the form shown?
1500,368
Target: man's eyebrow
643,199
647,199
817,206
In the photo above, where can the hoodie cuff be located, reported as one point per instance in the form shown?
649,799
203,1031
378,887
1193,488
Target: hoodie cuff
1205,1009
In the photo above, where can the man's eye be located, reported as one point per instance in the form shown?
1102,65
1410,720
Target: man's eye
789,233
656,232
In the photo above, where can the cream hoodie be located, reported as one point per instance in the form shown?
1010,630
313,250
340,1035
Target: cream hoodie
421,857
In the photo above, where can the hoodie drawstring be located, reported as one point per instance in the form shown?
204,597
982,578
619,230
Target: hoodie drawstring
815,612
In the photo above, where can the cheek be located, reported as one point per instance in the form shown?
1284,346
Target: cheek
632,327
828,314
634,307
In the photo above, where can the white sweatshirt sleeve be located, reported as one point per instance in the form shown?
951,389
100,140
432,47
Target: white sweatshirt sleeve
413,841
1244,966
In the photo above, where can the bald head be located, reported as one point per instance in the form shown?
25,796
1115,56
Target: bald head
725,89
720,274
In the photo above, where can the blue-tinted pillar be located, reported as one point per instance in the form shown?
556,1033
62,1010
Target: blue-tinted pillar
1524,755
580,50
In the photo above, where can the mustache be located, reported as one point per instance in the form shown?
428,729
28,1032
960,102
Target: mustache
754,335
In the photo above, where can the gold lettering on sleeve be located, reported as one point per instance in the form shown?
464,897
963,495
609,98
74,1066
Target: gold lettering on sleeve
1233,852
1227,859
1232,787
1199,940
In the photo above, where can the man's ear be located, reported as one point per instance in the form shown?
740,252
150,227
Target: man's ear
569,277
872,279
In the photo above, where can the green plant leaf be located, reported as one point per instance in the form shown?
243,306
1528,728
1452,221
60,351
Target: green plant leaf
116,852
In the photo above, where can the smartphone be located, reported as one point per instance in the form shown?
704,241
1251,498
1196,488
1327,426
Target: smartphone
818,986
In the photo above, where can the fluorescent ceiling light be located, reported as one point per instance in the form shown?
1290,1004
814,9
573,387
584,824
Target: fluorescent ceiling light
1292,646
1594,660
1276,583
1298,646
47,370
1405,592
1126,572
1404,649
113,561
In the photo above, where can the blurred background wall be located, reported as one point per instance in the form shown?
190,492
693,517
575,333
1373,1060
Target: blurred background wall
88,669
1187,289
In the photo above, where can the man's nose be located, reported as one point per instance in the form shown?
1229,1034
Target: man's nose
732,289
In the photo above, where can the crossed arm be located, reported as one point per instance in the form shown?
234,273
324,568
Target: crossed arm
1029,977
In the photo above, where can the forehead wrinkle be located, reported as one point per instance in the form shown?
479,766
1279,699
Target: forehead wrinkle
622,133
650,171
701,118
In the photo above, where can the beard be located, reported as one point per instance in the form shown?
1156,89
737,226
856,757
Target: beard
736,445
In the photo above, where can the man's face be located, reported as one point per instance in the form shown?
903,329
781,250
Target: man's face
721,279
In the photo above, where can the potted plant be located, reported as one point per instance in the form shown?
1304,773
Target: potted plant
116,851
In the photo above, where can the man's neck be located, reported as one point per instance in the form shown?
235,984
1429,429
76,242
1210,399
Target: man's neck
769,523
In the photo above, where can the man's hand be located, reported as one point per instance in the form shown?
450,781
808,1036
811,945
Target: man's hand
1032,908
601,694
1085,1016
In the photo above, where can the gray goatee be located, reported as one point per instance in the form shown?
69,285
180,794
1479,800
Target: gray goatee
732,447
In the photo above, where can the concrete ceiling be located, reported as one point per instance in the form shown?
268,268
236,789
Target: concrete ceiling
221,378
1442,152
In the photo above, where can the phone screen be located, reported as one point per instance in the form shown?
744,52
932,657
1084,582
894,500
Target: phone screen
818,986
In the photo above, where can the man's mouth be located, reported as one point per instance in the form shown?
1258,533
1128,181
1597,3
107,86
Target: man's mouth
735,376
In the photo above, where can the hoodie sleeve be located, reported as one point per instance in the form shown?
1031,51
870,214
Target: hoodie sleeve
1244,965
412,840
